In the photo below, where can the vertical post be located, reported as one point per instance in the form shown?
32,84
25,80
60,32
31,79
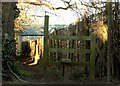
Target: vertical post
77,28
109,7
45,53
68,45
86,33
92,56
56,45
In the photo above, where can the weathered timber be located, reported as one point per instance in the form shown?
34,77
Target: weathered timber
86,42
45,54
92,57
70,37
77,27
65,50
109,7
66,63
71,64
56,45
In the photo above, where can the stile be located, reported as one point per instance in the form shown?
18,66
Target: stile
70,49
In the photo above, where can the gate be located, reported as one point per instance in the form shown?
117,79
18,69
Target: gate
83,63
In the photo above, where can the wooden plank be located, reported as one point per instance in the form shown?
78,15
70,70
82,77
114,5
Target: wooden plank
69,37
71,64
66,50
92,57
32,35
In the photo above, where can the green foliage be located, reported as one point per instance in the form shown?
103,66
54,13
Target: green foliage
55,71
15,67
8,51
26,73
76,73
19,69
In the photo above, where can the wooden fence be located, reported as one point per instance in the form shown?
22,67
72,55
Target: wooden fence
56,49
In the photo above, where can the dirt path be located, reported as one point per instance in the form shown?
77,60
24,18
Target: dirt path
38,79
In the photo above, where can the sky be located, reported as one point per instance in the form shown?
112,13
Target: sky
64,17
55,17
60,17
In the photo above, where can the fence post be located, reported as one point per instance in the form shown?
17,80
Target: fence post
109,7
86,42
92,56
56,45
45,53
77,28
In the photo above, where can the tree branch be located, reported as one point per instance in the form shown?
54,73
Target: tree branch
39,3
64,8
90,6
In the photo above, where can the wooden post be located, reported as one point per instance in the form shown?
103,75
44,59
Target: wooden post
92,56
86,33
56,45
109,7
77,27
45,53
68,45
66,63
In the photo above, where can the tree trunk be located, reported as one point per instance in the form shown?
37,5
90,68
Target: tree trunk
8,13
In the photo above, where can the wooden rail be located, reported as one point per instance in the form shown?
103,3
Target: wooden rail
71,64
65,50
69,37
56,49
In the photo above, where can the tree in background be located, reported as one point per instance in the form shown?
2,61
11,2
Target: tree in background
78,7
8,42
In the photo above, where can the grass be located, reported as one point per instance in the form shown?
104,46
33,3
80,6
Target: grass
26,72
19,69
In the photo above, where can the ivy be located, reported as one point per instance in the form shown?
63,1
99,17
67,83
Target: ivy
8,50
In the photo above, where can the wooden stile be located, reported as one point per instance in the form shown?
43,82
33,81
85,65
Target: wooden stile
45,54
